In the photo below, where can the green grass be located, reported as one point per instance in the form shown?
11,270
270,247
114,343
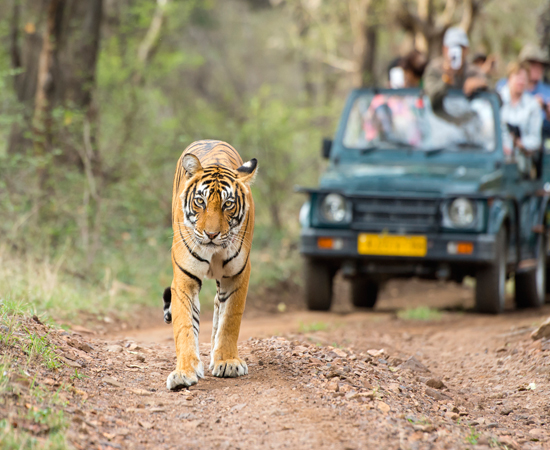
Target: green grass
37,346
78,376
422,421
40,287
16,439
52,289
313,326
16,333
420,313
473,437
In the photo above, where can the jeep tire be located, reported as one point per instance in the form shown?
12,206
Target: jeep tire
364,292
531,284
318,284
491,279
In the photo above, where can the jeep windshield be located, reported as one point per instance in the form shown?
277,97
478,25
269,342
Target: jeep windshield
397,120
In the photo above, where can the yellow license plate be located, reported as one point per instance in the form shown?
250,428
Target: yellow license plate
392,245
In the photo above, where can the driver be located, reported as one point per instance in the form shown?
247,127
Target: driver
452,71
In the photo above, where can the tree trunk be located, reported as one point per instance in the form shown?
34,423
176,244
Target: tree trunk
543,28
365,31
25,53
428,28
57,55
40,123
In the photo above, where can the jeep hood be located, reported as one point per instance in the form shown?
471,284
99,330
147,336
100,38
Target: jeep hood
407,179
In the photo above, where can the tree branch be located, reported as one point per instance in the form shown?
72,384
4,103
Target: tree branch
345,65
410,21
470,13
445,20
146,46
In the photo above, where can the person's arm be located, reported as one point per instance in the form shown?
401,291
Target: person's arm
475,80
473,84
507,140
434,84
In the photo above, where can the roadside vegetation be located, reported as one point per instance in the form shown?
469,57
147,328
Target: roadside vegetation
420,313
31,402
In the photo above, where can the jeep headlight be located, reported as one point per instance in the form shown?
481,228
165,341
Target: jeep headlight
334,209
462,212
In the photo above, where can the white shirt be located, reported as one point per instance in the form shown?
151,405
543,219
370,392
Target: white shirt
526,115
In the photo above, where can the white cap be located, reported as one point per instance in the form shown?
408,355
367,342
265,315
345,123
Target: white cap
456,36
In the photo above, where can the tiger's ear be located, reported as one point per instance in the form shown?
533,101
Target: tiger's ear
191,164
247,172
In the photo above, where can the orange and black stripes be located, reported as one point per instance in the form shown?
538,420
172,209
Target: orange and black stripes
213,224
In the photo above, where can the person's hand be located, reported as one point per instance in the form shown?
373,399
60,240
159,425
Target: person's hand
489,64
519,145
507,150
539,99
473,84
448,73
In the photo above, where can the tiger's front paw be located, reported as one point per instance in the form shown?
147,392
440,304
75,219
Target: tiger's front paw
184,378
230,368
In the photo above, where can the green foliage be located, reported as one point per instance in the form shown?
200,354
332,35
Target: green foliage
419,313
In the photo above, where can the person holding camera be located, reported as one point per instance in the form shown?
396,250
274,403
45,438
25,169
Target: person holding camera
452,70
521,119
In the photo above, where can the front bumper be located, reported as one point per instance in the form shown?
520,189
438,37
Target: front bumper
437,252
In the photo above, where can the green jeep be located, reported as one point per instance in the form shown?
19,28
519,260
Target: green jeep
416,191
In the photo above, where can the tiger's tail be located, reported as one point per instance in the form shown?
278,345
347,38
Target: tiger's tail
167,297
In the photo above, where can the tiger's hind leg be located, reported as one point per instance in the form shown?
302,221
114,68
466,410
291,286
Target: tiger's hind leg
167,297
185,318
228,312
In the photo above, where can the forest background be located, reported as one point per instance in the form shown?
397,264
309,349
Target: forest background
99,98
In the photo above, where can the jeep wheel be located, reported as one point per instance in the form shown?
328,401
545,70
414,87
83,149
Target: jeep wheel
318,285
491,279
531,285
364,293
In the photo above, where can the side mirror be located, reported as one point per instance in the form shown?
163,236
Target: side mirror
326,147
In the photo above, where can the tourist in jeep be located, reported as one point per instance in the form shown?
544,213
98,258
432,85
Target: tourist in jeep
521,120
452,71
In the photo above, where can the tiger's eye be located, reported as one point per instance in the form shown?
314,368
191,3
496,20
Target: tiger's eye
228,204
199,200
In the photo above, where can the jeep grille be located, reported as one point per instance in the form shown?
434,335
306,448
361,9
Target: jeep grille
395,214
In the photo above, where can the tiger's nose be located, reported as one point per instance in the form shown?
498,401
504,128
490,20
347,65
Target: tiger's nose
212,236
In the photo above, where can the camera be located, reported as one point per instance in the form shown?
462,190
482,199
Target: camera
455,55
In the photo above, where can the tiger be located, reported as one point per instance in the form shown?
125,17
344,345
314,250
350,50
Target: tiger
213,225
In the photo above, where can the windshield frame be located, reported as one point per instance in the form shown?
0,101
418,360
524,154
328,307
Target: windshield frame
341,153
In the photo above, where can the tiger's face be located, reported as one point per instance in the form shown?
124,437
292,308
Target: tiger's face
214,201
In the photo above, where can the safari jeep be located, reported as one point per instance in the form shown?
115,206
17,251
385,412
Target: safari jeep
416,191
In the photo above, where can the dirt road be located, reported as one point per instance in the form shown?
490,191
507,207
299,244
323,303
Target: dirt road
344,381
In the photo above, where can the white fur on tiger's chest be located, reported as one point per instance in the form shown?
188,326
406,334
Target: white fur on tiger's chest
215,271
